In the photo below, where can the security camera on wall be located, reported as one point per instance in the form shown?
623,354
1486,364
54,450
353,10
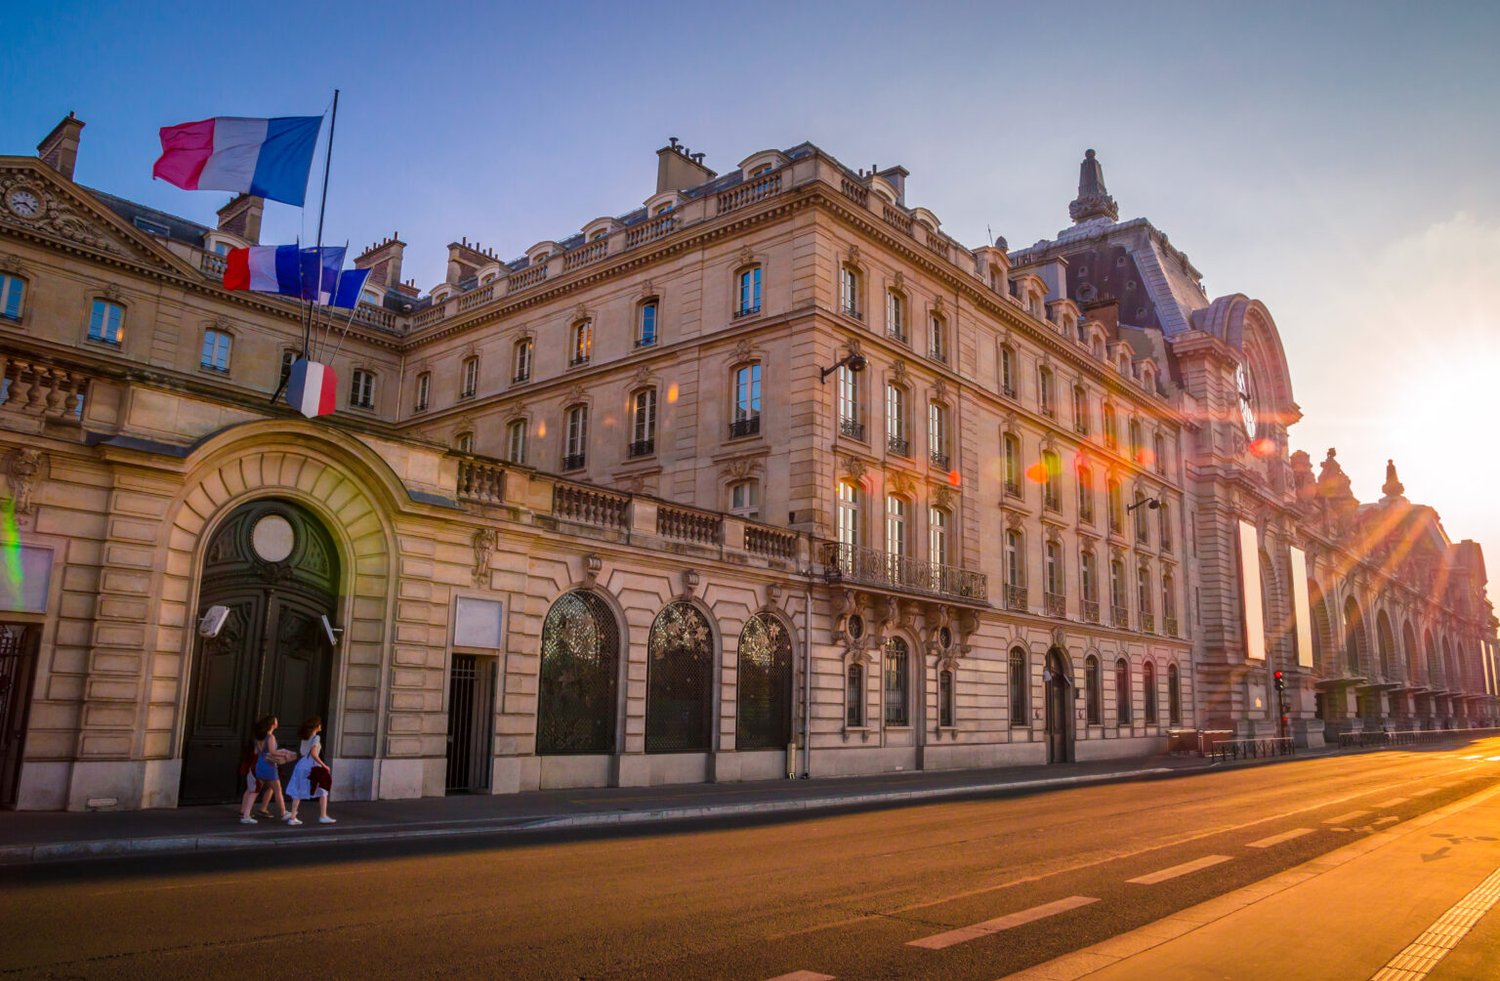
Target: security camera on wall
212,621
331,631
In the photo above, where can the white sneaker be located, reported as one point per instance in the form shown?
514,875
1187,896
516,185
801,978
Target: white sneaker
248,821
327,820
292,822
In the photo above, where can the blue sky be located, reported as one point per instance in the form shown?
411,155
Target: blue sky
1336,161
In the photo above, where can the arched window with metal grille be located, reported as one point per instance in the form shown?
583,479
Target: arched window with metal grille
579,676
764,680
679,681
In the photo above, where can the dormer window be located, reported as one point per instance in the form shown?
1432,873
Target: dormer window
662,209
762,170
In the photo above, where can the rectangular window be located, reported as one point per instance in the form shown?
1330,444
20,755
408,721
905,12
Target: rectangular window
848,527
471,378
854,696
849,291
744,499
424,390
215,356
937,434
895,687
895,316
583,343
362,390
1008,371
577,438
938,341
523,361
746,401
515,441
895,420
849,423
106,322
12,293
895,527
937,533
945,699
646,335
749,299
643,424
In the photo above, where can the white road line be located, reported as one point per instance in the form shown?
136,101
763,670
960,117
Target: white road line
1007,922
1392,802
803,976
1278,839
1177,870
1346,818
1423,953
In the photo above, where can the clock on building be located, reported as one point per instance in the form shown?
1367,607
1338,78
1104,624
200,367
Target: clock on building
1247,399
24,203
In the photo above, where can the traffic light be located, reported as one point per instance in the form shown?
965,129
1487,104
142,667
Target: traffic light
1280,681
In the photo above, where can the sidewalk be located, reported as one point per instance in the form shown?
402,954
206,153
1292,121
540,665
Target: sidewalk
1395,905
44,836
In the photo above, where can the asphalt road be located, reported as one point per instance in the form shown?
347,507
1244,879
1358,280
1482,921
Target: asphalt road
843,896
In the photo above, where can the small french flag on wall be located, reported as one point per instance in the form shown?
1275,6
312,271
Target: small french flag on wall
311,388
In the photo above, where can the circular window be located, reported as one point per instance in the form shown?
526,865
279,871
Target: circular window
272,538
856,627
945,638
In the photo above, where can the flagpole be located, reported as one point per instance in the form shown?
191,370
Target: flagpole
322,207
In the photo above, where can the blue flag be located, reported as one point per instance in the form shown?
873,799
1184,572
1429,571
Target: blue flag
351,281
320,273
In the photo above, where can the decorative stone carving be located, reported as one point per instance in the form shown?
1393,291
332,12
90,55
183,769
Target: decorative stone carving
648,290
773,595
484,547
1393,487
592,564
853,255
581,312
1093,199
112,292
940,389
11,263
516,411
743,349
902,483
642,375
575,394
747,255
899,279
689,582
23,467
854,467
898,371
943,496
938,305
740,467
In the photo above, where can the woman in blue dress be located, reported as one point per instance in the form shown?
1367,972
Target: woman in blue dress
311,777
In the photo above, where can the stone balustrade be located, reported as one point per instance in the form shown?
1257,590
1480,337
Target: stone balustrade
650,231
897,218
480,481
40,389
700,527
474,298
526,278
752,190
855,191
770,542
589,505
585,254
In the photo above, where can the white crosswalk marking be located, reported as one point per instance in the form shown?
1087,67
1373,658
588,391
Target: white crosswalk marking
1010,920
1185,868
1278,839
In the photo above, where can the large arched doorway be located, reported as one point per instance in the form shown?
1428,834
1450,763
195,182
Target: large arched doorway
679,681
764,683
580,665
1059,708
274,567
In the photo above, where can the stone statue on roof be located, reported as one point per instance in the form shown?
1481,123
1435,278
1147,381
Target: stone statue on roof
1093,199
1393,487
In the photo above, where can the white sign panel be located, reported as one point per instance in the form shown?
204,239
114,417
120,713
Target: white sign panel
478,623
1255,627
1301,608
25,576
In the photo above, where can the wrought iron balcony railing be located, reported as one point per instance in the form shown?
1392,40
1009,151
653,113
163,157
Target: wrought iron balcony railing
852,428
1015,598
573,461
1169,624
898,445
1148,622
748,426
873,567
1091,611
1119,616
642,447
939,459
1055,604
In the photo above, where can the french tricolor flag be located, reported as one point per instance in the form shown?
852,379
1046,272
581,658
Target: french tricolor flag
264,269
310,388
267,157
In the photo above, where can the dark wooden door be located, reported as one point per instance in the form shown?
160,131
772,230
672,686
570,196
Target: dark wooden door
18,643
272,656
1059,713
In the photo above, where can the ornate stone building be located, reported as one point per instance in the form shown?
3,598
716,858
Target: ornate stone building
768,476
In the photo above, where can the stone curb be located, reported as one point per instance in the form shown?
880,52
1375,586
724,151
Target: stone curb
12,855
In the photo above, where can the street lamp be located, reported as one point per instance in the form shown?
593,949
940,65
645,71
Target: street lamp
1149,502
854,360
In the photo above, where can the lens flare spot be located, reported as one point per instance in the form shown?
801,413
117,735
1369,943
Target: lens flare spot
672,393
10,549
954,478
1037,473
541,431
1263,448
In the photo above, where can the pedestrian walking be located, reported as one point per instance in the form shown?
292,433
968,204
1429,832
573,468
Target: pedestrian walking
263,778
311,777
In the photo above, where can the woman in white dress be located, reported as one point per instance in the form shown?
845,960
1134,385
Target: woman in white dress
311,777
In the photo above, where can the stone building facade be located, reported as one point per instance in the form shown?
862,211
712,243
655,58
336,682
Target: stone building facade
769,476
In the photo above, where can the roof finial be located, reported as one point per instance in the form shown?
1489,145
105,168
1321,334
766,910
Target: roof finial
1093,199
1393,487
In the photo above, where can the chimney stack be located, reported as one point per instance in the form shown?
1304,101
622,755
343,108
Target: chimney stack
678,168
60,148
383,259
241,217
